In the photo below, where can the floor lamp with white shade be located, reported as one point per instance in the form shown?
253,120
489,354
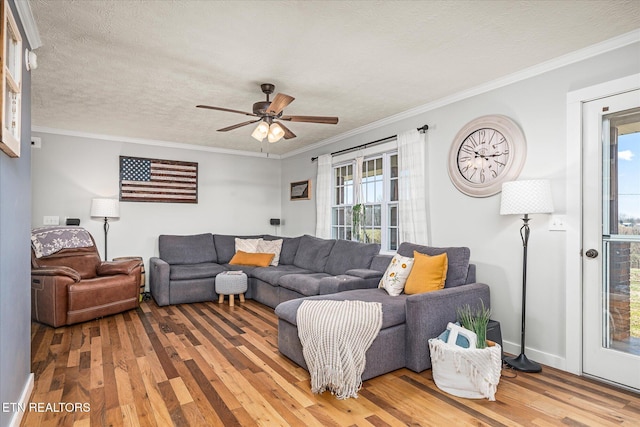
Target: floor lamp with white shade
105,208
525,198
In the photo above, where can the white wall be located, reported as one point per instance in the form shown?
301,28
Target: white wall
538,105
236,194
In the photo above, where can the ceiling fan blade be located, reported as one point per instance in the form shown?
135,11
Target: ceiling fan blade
226,109
287,132
311,119
239,125
279,102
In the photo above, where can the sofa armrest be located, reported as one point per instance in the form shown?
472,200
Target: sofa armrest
49,294
365,273
56,271
159,280
428,315
111,268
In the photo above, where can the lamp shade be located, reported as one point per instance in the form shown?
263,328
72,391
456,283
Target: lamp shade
261,131
275,133
526,197
105,208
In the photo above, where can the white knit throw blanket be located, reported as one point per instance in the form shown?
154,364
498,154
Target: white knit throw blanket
335,336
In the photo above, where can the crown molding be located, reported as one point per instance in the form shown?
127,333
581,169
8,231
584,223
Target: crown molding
28,23
559,62
154,142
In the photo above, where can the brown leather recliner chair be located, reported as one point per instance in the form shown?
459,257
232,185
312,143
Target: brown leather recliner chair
74,285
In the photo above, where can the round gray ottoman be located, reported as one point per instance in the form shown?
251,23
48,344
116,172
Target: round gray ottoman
231,283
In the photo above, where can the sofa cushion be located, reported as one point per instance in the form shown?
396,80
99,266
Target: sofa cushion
271,247
254,259
346,255
247,245
289,247
192,249
271,275
226,246
381,262
195,271
428,273
364,273
313,253
458,260
393,308
305,284
396,275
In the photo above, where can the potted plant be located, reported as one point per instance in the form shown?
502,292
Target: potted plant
357,215
472,372
475,321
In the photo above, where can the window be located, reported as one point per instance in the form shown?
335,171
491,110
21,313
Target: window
11,83
342,202
373,216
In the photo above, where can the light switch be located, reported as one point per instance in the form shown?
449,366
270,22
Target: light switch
558,223
51,220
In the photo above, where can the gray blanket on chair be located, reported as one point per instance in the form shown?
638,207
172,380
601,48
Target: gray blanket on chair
335,336
49,240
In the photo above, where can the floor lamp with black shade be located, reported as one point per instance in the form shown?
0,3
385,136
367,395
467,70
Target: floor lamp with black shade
525,198
107,209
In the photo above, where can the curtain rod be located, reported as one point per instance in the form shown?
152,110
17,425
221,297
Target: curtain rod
377,141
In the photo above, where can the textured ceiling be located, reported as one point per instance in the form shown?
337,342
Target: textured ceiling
137,69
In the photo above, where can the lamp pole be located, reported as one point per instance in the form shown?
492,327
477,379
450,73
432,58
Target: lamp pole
106,230
521,362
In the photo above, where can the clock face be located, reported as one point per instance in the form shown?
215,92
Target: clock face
485,153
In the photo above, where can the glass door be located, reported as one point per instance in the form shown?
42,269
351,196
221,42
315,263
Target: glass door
611,239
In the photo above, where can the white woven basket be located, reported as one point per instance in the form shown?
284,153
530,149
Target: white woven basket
463,372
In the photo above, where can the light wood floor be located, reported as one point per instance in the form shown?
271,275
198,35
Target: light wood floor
211,365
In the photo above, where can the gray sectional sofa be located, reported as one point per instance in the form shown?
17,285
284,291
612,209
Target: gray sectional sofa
408,321
313,268
186,268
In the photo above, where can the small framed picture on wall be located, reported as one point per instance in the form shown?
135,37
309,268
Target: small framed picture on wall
301,190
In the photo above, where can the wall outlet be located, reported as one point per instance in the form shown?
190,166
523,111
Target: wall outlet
558,223
50,220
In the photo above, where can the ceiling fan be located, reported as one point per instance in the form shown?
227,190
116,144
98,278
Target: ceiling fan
269,114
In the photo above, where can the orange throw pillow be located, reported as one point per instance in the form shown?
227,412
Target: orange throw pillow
428,273
254,259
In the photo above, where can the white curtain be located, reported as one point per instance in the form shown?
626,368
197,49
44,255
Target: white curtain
323,197
413,215
357,181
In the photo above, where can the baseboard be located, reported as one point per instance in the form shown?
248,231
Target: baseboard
538,356
24,402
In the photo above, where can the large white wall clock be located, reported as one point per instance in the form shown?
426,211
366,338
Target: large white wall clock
485,153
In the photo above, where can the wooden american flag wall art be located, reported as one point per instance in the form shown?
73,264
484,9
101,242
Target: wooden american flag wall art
153,180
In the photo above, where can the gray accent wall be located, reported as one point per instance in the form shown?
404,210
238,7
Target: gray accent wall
15,270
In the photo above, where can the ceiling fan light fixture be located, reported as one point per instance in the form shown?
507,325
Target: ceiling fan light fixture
266,112
261,131
275,133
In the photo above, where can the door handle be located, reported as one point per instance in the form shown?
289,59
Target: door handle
591,253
